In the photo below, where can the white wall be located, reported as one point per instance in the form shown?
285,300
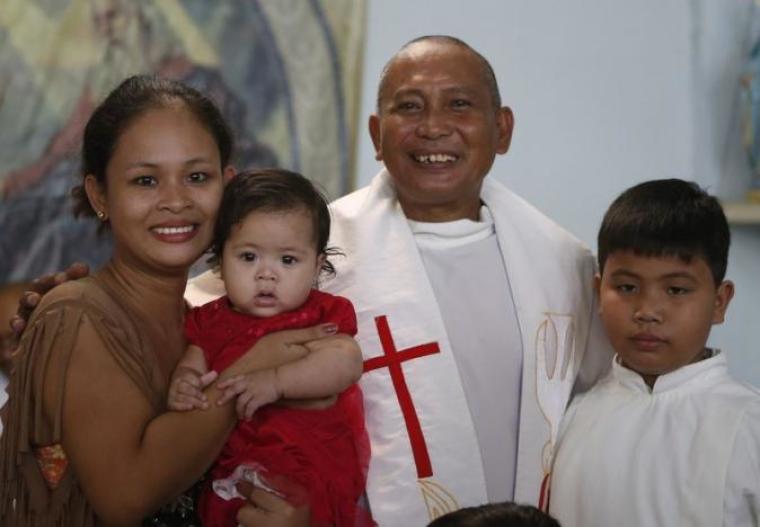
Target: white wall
606,93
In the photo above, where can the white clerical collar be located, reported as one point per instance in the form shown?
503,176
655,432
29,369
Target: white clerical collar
455,233
675,379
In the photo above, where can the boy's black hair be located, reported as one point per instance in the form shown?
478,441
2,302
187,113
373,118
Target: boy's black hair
667,217
496,515
272,190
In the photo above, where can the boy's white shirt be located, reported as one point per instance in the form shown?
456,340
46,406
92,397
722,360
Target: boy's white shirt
551,275
686,453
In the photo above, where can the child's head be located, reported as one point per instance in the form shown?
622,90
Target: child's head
496,515
270,240
663,251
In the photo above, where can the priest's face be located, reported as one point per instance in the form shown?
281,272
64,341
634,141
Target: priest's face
658,310
437,130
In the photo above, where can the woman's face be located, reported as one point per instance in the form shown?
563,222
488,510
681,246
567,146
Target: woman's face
163,188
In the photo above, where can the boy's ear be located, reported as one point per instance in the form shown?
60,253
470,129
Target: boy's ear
723,296
597,288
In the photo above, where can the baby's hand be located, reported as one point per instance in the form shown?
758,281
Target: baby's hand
186,389
254,390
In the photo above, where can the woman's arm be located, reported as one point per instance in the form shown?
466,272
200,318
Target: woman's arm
128,460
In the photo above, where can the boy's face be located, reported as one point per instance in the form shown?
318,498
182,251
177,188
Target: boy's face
270,262
658,310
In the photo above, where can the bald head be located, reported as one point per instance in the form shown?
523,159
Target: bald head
488,76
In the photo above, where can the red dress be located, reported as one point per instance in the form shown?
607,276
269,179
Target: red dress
324,451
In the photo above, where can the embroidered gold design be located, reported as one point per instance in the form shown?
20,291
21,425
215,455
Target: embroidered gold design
438,500
555,374
555,351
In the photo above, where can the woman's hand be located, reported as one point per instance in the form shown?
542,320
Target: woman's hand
22,298
265,509
30,299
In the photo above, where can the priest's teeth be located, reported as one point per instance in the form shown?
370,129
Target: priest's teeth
173,230
435,158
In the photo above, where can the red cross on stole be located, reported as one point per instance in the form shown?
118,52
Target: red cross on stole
392,359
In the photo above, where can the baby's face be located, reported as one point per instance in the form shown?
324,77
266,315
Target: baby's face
658,310
270,262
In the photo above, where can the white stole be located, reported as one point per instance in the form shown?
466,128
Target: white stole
551,275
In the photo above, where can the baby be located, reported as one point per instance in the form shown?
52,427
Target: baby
303,419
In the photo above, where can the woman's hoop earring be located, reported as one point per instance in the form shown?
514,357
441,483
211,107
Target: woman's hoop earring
101,215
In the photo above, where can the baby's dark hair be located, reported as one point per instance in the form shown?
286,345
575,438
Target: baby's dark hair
129,100
667,217
496,515
272,190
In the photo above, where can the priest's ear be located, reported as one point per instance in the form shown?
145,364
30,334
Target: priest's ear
375,133
505,124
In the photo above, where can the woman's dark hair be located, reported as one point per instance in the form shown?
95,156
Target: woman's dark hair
272,190
126,102
667,217
505,514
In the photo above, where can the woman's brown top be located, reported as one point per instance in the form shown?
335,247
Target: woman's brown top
37,487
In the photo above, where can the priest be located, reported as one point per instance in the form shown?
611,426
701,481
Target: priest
475,311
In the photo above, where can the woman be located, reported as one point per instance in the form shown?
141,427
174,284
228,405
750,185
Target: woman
87,438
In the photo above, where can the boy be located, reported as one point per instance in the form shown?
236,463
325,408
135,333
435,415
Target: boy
667,437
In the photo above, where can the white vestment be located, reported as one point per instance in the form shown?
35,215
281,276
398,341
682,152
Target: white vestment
686,452
551,276
465,268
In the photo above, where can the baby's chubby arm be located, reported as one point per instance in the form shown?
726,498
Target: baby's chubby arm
188,381
331,365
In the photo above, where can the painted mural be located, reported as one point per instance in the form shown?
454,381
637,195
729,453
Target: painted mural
285,73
